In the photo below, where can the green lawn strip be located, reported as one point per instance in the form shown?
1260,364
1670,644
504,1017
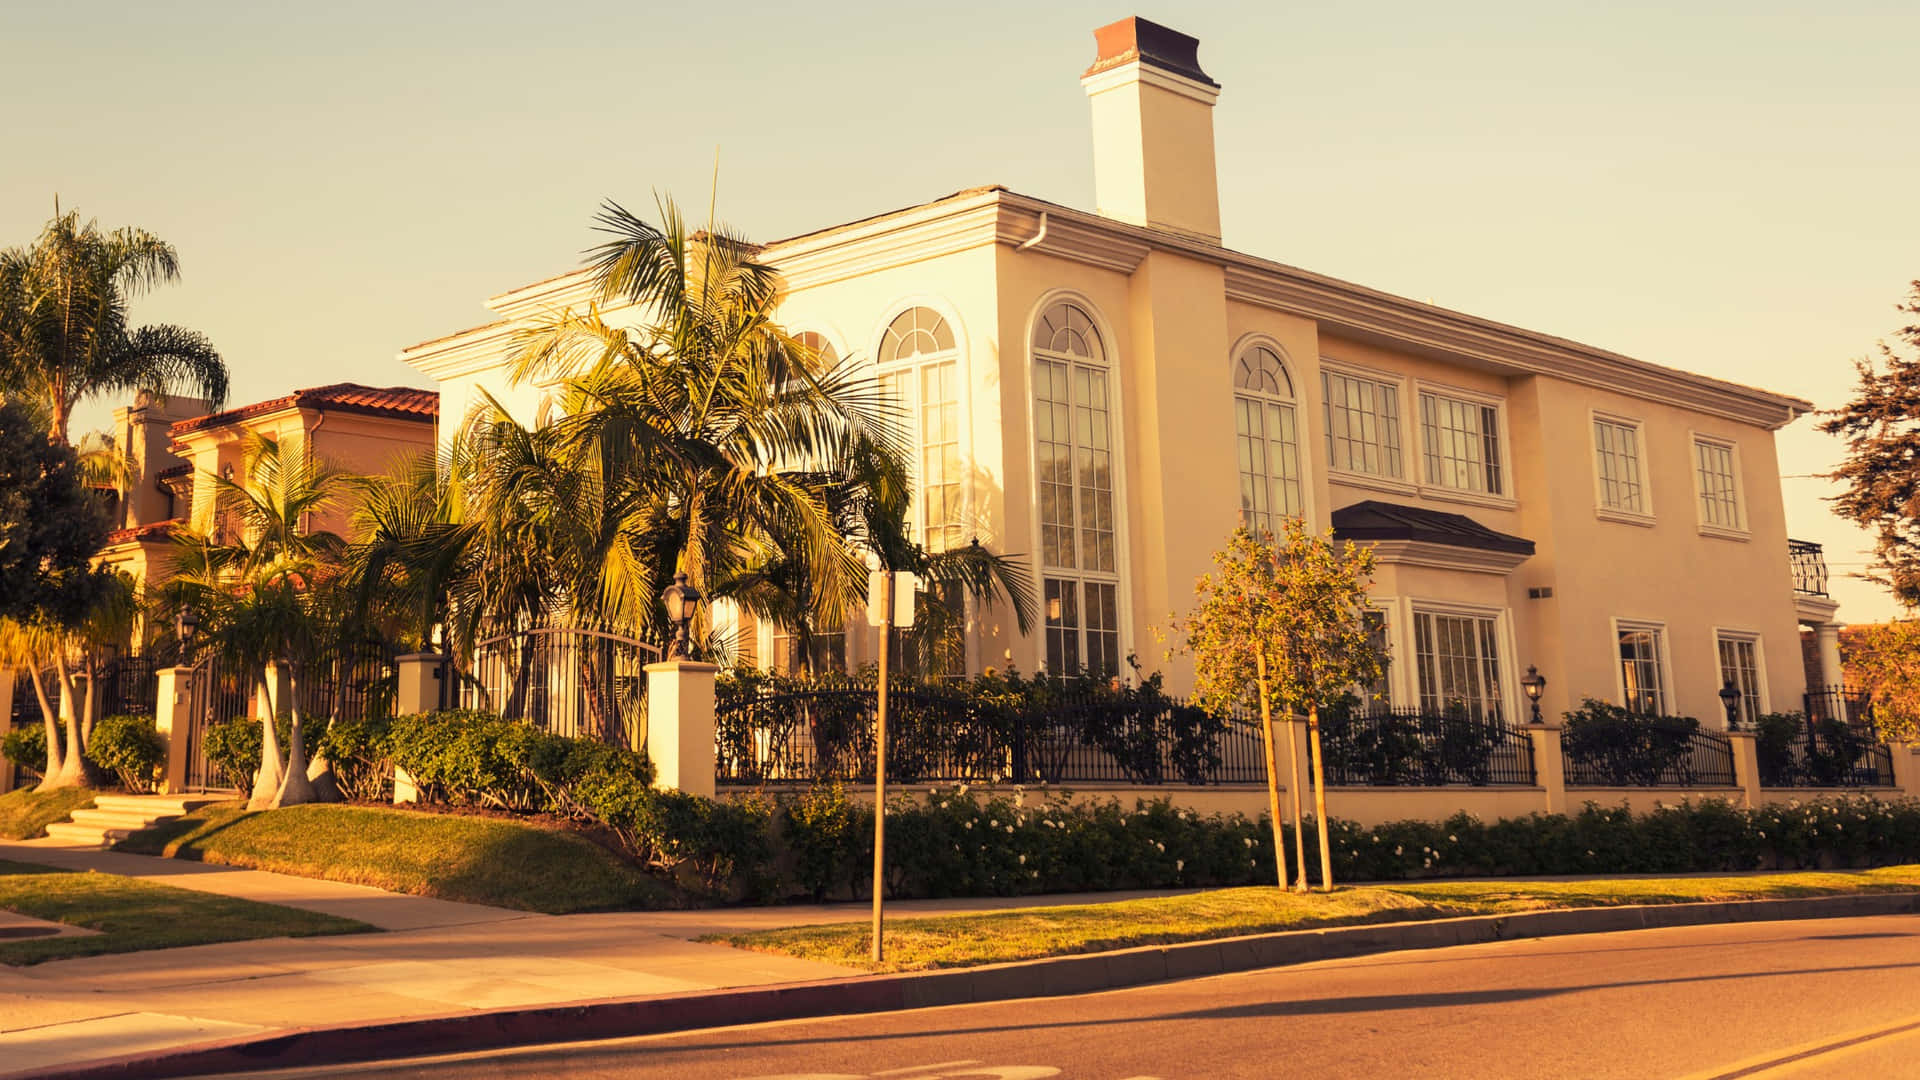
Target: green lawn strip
1031,933
134,915
25,813
473,859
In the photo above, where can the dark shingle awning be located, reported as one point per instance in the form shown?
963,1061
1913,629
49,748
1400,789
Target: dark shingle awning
1375,520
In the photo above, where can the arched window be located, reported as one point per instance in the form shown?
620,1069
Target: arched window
920,373
1074,475
1268,440
829,356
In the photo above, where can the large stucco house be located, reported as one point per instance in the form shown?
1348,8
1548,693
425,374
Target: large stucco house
1110,391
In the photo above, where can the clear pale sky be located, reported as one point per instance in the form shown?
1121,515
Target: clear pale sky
1726,188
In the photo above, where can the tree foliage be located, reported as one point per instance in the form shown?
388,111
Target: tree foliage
1881,426
1884,661
50,526
64,331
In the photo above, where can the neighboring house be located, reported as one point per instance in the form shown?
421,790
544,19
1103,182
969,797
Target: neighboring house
1110,392
361,429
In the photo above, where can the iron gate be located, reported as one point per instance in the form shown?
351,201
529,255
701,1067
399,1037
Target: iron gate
573,681
220,692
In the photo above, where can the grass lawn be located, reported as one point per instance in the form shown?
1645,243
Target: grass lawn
134,915
25,814
1030,933
451,856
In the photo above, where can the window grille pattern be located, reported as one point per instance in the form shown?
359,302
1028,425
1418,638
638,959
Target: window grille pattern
1740,669
1458,662
1363,425
917,332
1074,482
1719,497
1617,457
920,376
1461,444
1641,674
1267,438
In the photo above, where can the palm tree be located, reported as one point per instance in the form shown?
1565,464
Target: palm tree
260,588
70,651
64,335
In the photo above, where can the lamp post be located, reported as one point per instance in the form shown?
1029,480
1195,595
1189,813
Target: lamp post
1730,700
1534,683
680,600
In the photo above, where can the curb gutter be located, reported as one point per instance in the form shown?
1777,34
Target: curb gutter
1054,976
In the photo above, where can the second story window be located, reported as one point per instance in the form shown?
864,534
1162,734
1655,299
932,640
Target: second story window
1460,441
1363,425
1719,489
1616,450
1268,440
920,373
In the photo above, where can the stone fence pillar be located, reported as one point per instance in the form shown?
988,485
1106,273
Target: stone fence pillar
418,677
680,728
1746,766
1906,767
173,719
1549,765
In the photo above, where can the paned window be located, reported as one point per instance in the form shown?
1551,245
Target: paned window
1267,435
1074,464
1642,669
822,348
1740,669
1458,662
920,375
1461,444
1719,496
1378,693
1363,425
1616,448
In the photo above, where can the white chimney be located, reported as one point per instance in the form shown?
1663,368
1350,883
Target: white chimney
1153,129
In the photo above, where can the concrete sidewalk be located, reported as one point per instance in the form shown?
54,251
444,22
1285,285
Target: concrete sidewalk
437,957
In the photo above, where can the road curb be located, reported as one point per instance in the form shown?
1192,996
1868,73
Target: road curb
1056,976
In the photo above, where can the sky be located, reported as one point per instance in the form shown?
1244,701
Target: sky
1723,188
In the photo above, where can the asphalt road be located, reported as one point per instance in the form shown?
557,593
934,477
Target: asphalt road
1820,998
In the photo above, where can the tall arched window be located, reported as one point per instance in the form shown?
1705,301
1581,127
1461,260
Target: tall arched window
920,372
1268,439
1074,460
813,339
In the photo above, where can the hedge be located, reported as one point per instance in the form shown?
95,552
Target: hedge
953,841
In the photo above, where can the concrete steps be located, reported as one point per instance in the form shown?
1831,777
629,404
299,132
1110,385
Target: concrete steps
116,817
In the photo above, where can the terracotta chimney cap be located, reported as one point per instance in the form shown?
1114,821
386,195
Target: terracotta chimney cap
1150,43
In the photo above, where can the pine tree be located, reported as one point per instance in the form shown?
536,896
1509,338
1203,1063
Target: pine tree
1882,467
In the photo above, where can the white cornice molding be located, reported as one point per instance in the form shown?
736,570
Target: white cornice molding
1446,556
1815,610
464,353
1134,71
896,240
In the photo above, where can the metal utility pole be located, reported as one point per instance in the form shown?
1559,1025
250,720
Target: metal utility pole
880,767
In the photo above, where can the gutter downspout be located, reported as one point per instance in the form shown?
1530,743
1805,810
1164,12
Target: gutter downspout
1038,236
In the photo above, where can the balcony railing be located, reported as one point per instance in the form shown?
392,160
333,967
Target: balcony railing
1809,567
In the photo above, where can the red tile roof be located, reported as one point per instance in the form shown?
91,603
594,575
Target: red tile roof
158,530
401,402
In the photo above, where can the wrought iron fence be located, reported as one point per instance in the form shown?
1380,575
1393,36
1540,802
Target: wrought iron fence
128,686
1409,747
1650,755
1823,752
1809,567
357,682
580,682
946,733
219,691
1842,704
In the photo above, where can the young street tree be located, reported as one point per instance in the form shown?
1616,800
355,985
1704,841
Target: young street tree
1882,468
1885,660
1281,625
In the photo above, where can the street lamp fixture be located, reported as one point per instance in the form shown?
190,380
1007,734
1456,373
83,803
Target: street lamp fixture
681,600
1730,700
1534,683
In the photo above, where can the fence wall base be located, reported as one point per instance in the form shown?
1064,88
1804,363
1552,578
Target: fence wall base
1746,766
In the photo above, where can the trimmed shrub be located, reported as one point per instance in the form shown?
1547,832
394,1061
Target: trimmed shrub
130,747
27,746
1626,748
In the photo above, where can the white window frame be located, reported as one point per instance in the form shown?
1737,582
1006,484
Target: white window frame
1739,530
1764,702
1391,609
1121,578
1505,500
1668,706
1404,483
1300,403
1406,686
1643,517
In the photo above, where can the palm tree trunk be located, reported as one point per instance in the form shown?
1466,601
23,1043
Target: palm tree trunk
73,772
50,716
295,787
266,782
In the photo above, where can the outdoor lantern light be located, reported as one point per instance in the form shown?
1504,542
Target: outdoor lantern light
1730,698
680,600
186,622
1533,683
